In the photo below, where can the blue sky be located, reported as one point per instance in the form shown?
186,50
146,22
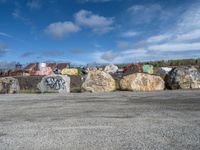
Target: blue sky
102,31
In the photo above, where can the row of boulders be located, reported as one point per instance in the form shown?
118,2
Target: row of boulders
176,78
102,81
113,69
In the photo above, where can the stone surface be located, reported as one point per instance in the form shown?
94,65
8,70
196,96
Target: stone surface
57,71
92,69
111,69
130,69
70,71
55,83
44,71
163,71
147,69
28,84
9,85
142,82
98,81
183,78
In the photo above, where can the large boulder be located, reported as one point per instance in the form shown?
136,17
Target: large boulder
111,69
142,82
55,83
98,81
183,78
9,85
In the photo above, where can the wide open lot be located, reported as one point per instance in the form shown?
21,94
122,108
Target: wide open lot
119,120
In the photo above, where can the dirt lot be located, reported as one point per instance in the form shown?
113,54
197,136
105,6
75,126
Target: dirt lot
119,120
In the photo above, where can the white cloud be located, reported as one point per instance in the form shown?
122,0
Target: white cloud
176,47
129,34
99,24
172,43
5,34
129,55
190,19
193,35
61,29
158,38
146,13
104,57
109,56
87,18
184,36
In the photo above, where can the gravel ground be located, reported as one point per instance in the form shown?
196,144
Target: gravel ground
110,121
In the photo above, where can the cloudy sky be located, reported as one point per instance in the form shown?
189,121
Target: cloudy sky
102,31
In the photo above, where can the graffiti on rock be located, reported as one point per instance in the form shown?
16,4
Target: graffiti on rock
55,83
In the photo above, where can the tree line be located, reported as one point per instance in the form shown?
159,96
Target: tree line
169,63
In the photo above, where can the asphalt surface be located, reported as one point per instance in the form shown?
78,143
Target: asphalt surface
168,120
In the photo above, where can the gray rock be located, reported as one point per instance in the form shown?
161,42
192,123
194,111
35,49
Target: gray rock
183,78
55,83
9,85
